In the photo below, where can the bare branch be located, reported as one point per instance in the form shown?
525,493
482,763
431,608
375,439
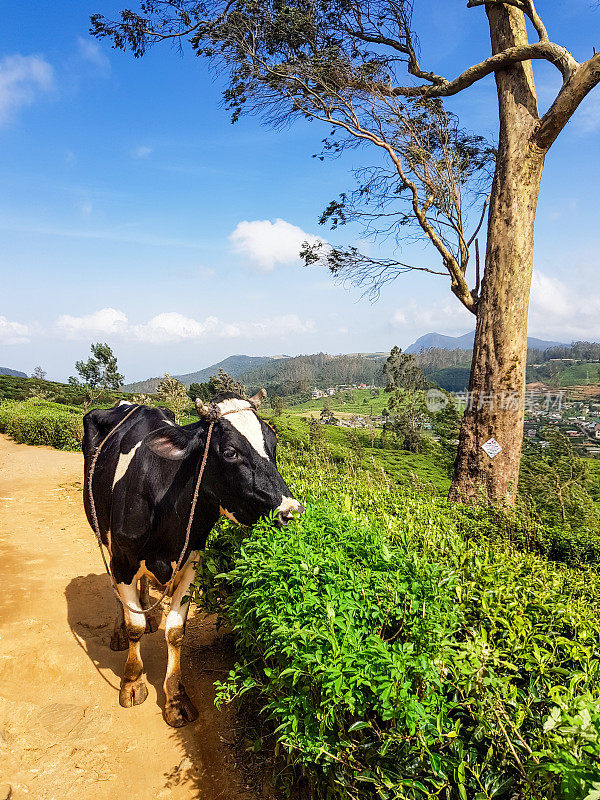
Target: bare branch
477,229
547,51
352,267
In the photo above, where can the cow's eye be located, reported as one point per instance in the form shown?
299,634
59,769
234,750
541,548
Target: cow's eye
229,454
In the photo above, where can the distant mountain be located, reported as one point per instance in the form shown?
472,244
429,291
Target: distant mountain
234,365
439,340
13,372
465,342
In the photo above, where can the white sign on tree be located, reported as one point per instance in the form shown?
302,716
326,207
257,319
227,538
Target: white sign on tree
491,447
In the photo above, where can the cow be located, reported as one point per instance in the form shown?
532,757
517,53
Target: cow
143,484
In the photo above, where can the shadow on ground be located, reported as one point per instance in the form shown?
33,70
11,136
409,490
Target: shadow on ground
209,765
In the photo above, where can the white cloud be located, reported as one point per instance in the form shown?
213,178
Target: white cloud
90,51
22,79
107,320
13,332
143,151
171,326
268,243
563,312
449,317
557,310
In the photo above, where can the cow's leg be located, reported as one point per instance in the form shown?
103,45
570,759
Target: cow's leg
133,687
119,640
152,622
179,709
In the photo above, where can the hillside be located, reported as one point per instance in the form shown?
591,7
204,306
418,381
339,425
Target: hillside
465,342
14,373
297,375
234,365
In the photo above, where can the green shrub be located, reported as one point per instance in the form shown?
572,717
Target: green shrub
401,647
36,422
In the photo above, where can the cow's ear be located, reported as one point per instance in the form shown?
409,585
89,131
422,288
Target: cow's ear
169,442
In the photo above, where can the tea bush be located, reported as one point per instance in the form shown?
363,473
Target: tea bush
401,651
36,421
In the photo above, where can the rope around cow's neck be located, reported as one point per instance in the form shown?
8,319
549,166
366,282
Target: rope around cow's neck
214,414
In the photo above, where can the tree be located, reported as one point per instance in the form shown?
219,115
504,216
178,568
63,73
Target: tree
223,382
338,62
402,372
277,404
97,375
409,411
39,374
316,439
174,395
200,390
355,447
446,424
557,483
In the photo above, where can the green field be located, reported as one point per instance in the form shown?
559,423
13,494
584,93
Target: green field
398,464
363,403
584,374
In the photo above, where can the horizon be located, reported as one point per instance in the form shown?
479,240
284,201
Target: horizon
174,236
184,373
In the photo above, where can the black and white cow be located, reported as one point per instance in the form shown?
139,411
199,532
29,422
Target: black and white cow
143,485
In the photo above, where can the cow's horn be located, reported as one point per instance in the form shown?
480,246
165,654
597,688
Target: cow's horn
201,407
257,399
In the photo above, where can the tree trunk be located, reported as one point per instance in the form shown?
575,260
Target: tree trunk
495,405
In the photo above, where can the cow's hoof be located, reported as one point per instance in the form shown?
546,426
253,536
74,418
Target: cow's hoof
133,693
180,710
152,624
119,639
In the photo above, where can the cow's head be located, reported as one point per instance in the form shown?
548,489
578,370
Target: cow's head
241,474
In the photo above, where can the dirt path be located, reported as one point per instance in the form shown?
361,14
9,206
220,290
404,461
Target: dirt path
62,732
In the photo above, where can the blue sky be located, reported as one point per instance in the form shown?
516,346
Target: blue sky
133,212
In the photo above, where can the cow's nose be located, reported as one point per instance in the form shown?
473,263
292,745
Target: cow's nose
287,515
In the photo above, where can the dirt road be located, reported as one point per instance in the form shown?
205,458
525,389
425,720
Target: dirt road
62,732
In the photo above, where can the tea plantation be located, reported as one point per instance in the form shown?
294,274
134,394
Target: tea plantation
393,646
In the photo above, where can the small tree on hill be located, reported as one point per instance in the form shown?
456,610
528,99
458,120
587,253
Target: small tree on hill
406,423
316,438
39,374
144,399
174,394
223,382
355,446
277,404
401,371
557,483
199,391
446,424
98,374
